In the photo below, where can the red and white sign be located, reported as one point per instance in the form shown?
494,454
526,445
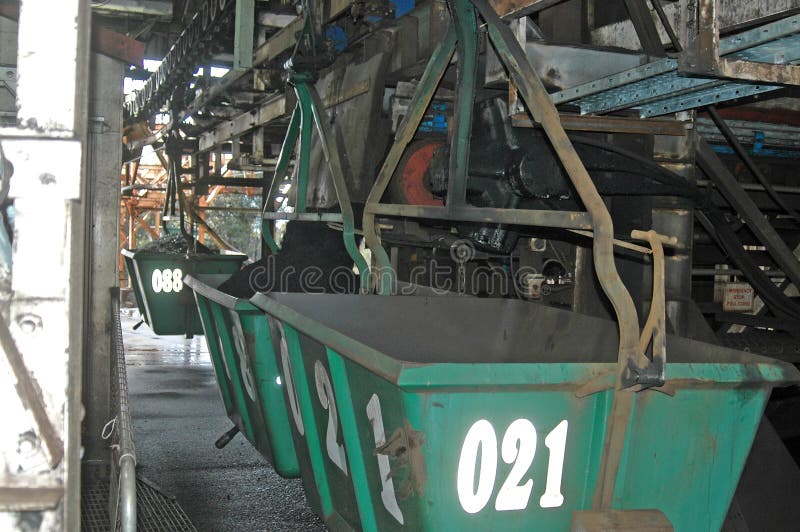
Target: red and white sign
737,297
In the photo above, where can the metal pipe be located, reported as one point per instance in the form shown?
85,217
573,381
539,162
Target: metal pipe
253,210
127,493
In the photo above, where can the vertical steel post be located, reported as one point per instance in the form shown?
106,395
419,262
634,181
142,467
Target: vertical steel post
243,35
104,153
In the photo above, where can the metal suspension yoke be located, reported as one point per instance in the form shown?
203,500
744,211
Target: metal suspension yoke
308,112
635,371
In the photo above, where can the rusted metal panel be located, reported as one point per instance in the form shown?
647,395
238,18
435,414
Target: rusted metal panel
118,46
104,40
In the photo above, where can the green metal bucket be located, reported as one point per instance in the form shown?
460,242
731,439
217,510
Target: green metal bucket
239,340
157,280
467,414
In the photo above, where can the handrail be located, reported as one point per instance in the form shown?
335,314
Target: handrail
122,502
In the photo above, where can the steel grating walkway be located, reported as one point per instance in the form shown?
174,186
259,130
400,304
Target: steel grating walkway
94,507
656,88
155,511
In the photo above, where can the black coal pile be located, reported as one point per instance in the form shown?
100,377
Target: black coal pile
176,244
312,259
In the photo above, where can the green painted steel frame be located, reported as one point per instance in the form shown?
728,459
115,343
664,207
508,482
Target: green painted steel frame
430,79
308,112
243,35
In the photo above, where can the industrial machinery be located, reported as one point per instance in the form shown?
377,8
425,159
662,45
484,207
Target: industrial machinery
566,235
509,168
518,193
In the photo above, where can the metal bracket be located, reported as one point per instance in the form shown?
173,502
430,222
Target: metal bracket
702,57
651,370
405,447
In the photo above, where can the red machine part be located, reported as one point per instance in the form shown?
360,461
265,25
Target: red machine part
408,185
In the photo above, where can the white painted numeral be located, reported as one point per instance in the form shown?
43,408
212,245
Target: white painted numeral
291,390
167,280
177,280
244,360
518,448
481,435
556,443
388,495
326,399
155,281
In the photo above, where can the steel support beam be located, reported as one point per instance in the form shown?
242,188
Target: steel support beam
730,188
611,124
266,112
103,196
701,55
645,28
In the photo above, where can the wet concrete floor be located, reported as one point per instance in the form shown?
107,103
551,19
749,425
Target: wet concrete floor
177,416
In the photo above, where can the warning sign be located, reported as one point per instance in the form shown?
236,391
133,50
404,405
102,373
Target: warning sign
738,297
